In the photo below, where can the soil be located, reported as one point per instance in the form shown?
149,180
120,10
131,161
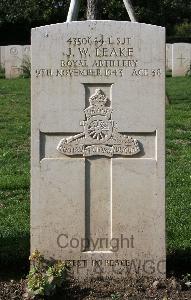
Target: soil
129,288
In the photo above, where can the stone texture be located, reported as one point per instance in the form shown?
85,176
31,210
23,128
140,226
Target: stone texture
26,53
181,59
26,50
106,215
2,56
168,57
13,61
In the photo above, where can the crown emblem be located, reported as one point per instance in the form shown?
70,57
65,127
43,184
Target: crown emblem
98,106
98,98
100,135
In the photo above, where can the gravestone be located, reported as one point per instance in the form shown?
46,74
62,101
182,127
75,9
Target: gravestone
181,59
168,57
98,106
26,51
26,59
13,61
2,56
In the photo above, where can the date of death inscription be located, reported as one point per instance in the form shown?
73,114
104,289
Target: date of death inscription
98,57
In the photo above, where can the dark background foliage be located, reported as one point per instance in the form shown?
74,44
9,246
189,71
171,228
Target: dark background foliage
17,17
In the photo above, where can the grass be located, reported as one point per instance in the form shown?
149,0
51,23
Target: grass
178,173
178,165
14,168
2,72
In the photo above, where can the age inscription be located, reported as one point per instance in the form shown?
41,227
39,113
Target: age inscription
98,56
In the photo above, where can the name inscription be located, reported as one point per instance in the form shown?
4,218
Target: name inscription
98,56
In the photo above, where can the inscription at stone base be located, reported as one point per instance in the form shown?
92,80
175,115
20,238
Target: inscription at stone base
100,135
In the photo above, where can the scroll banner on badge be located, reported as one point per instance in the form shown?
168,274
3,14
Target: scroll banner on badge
100,135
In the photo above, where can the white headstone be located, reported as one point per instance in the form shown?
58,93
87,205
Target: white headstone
168,57
181,58
26,50
13,61
2,56
98,106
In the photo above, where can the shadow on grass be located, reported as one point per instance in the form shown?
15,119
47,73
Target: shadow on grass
169,74
14,257
179,262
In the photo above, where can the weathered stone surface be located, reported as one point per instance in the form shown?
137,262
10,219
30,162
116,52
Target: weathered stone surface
181,59
13,61
2,56
168,57
26,50
98,86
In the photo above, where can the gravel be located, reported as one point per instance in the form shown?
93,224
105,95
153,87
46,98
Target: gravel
129,289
